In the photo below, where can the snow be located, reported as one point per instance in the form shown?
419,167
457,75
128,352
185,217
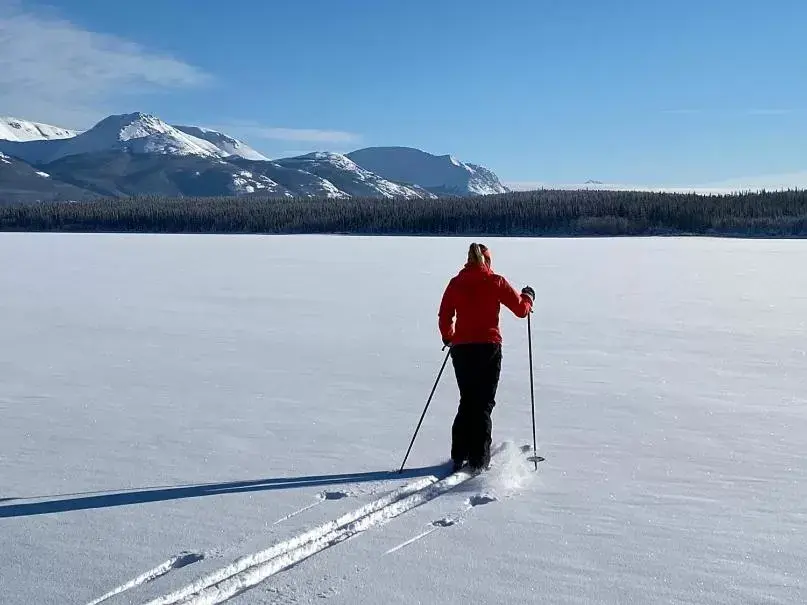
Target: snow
14,129
330,190
5,159
242,186
218,413
43,174
318,187
226,143
408,165
245,182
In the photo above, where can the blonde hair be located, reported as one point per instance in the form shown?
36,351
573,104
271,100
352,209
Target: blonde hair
476,254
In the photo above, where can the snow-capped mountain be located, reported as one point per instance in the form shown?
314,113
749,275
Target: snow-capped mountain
138,153
12,129
224,142
132,133
439,174
136,133
350,178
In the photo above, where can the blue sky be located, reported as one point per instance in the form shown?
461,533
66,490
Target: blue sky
636,92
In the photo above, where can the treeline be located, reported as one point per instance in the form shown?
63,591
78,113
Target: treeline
535,213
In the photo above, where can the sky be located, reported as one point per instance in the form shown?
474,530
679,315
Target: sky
634,92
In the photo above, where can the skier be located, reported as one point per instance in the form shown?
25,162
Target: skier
474,297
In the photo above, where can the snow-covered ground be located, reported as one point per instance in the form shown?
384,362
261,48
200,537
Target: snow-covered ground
192,409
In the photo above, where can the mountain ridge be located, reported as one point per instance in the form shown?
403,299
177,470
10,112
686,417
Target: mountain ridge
436,173
14,129
104,160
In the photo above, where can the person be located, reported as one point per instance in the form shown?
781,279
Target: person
469,325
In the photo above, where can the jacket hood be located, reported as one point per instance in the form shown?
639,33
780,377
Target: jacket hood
475,271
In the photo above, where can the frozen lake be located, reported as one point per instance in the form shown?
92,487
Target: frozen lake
189,400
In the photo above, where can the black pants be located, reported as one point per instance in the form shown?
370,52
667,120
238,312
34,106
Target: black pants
477,367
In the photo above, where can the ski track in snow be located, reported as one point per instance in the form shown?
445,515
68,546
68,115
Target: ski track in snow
254,575
251,570
297,512
411,540
256,559
177,562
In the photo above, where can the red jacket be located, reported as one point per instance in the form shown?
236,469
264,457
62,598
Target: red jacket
474,296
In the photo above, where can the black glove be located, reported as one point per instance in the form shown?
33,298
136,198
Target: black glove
446,342
528,291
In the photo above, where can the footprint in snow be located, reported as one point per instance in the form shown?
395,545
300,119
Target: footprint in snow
480,499
186,558
325,496
333,495
444,522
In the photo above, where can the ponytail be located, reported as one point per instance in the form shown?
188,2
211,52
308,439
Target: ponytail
476,254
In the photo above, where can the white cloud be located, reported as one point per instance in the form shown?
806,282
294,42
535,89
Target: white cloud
250,130
54,71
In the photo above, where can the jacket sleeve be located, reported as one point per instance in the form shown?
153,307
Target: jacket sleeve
446,314
519,304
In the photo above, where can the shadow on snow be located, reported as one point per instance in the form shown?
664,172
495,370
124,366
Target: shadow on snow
60,503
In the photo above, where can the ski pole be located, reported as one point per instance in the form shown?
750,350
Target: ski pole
423,415
535,457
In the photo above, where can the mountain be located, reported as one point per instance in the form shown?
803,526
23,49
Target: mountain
132,133
20,182
135,133
347,176
224,142
21,131
438,174
140,154
119,174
